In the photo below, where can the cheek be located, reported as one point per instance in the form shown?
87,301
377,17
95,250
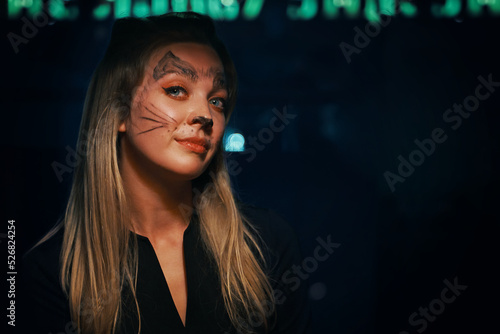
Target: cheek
218,132
219,124
150,114
218,137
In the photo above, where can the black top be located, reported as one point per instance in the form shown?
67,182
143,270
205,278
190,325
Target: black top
44,307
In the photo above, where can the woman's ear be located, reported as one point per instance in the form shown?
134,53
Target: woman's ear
123,127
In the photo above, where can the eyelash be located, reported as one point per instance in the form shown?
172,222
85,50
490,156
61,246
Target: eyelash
220,99
170,91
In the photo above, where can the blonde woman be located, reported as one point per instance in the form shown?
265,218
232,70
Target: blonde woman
152,240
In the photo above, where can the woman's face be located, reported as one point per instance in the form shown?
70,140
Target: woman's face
177,118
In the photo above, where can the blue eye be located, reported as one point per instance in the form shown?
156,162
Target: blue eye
174,90
218,102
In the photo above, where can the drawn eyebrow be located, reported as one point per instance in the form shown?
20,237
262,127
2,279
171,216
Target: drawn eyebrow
219,81
170,63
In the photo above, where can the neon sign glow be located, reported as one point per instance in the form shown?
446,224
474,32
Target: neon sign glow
251,9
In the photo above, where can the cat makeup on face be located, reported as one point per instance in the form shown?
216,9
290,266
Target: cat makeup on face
177,117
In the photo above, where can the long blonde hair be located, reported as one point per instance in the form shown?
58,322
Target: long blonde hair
99,257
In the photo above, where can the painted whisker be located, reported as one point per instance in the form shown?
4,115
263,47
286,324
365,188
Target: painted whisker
140,133
170,117
160,117
152,120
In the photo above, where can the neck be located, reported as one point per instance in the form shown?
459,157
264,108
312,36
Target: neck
159,206
158,211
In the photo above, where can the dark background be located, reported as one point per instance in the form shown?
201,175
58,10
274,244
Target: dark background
325,171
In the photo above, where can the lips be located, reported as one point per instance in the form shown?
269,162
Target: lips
195,144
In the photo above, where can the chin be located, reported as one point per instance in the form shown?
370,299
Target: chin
185,168
188,171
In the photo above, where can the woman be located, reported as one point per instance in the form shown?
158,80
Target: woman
153,240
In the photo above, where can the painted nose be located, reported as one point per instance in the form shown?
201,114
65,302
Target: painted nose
205,122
